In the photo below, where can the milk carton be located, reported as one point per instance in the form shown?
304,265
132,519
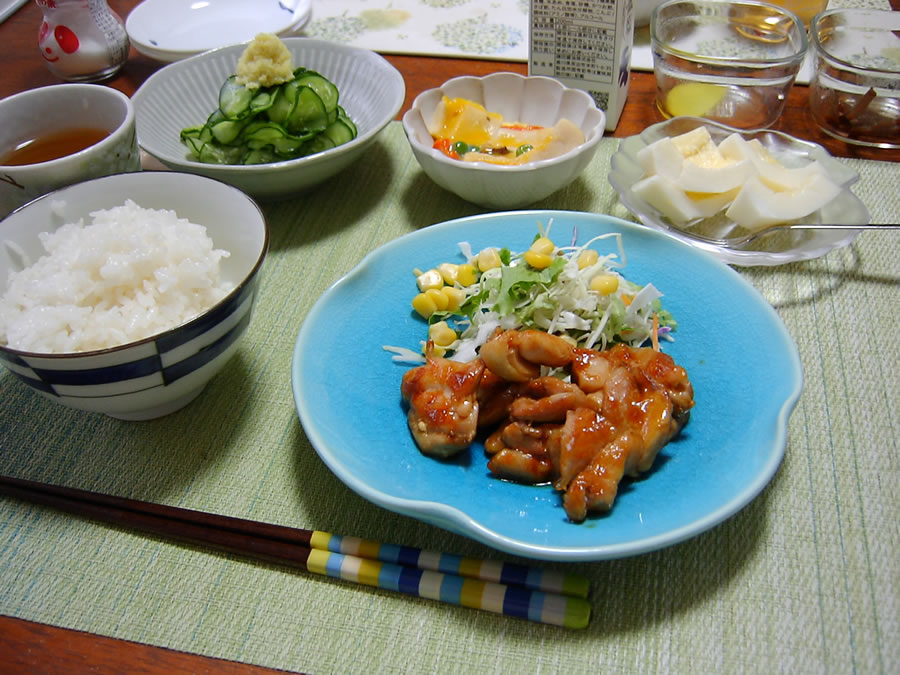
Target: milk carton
585,44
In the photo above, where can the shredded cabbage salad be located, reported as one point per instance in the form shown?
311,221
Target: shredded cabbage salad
580,294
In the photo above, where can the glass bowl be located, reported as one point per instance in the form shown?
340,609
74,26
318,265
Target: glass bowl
854,94
776,249
733,62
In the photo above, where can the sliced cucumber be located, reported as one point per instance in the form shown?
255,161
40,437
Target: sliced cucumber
226,131
234,99
339,132
271,124
212,153
309,112
324,89
345,118
281,107
318,143
261,134
262,101
261,156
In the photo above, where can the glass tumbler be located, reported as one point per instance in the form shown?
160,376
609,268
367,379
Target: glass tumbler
733,62
854,94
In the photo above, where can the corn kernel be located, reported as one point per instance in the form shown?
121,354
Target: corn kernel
449,272
424,305
437,296
441,334
466,274
455,297
587,258
488,259
539,261
542,245
605,284
429,279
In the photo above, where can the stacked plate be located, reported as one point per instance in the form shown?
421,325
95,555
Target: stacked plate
170,30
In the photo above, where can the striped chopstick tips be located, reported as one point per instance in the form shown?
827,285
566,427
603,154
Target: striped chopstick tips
524,603
508,574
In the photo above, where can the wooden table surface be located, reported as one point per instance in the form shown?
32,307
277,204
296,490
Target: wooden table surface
30,647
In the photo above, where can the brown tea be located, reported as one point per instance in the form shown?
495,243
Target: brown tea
53,145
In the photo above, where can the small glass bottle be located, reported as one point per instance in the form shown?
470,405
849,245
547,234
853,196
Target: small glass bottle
82,40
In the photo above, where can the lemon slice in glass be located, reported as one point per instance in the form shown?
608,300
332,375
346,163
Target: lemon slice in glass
695,99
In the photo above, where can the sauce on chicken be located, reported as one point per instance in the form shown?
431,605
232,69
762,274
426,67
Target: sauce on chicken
599,417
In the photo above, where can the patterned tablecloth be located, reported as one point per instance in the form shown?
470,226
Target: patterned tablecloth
805,579
496,29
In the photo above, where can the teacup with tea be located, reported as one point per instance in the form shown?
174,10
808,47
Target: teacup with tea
62,134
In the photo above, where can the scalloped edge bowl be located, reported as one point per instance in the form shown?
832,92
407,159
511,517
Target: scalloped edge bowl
533,100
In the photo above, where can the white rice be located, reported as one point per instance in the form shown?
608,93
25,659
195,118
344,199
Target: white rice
130,274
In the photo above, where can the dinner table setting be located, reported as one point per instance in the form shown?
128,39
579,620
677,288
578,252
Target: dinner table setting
274,508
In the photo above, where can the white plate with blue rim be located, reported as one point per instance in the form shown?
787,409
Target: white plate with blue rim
743,364
171,30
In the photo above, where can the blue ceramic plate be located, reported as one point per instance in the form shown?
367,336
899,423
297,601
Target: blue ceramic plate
741,360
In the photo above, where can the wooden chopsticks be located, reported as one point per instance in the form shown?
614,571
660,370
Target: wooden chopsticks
504,588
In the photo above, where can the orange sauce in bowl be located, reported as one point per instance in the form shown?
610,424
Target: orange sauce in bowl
54,145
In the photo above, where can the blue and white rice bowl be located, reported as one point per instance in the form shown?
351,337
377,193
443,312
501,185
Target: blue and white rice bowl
160,374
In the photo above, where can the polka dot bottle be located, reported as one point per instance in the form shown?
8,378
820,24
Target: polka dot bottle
82,40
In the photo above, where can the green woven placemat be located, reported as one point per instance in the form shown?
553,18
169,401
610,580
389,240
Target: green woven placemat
805,579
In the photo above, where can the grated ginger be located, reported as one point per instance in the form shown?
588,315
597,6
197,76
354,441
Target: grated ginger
265,62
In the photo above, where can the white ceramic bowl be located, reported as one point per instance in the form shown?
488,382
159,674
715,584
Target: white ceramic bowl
185,93
56,108
531,100
158,375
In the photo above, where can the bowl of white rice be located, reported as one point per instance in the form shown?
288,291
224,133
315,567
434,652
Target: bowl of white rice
125,295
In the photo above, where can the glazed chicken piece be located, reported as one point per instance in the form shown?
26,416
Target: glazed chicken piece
524,452
494,396
592,371
642,400
517,356
443,407
583,436
547,399
622,407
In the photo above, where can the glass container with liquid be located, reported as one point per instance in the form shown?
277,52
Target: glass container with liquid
854,94
733,62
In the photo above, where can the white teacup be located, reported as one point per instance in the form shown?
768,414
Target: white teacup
47,112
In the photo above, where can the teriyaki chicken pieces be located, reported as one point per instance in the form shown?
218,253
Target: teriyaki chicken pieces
578,418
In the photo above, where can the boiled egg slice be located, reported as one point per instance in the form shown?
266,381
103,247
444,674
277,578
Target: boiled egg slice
677,205
757,205
768,169
694,163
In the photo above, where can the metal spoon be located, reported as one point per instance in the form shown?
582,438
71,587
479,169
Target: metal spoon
743,240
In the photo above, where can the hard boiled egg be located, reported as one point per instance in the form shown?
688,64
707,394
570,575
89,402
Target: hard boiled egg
693,163
679,206
769,170
757,205
689,177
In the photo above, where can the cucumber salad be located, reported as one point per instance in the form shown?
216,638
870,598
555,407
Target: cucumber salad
571,290
257,125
